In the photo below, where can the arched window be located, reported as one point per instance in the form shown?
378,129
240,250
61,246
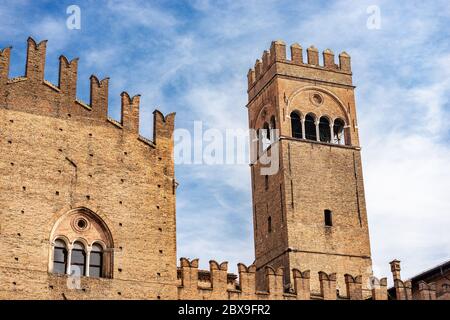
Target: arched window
91,252
273,127
324,129
265,136
60,257
328,218
266,131
338,131
296,125
96,261
310,127
269,224
78,259
273,124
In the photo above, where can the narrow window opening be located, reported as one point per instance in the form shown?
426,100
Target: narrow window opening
328,218
296,125
310,127
324,129
269,224
266,182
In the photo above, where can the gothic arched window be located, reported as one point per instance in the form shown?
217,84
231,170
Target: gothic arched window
310,127
296,125
324,129
60,257
82,245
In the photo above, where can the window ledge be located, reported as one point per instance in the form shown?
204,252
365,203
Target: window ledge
320,142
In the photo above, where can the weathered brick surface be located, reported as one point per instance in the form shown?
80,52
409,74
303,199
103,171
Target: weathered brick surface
59,154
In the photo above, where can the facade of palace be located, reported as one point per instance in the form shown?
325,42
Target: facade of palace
87,205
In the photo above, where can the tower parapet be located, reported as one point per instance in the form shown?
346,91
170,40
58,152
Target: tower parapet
32,93
301,284
217,283
379,288
427,291
35,65
275,62
68,72
354,287
327,285
5,56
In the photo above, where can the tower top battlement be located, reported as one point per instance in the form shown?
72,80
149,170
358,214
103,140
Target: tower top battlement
277,54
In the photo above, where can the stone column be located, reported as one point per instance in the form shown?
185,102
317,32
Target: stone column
331,133
69,259
317,130
88,261
303,128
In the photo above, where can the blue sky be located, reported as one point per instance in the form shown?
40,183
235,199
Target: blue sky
192,57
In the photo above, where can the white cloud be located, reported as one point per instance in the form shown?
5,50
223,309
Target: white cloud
142,13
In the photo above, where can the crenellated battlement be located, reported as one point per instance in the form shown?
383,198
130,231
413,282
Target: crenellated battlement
32,93
277,53
217,283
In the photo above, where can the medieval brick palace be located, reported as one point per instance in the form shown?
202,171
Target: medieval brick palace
87,205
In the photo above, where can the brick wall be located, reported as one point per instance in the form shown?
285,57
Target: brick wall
59,155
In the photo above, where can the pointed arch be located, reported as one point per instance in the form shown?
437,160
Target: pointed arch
90,244
323,90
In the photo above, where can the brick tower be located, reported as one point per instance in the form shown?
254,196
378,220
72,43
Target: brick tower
310,214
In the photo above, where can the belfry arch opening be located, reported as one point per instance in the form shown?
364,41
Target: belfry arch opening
310,127
296,125
324,129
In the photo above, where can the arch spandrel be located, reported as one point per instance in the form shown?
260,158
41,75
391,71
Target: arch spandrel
319,101
82,223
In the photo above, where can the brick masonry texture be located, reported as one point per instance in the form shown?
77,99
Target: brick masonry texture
60,154
63,160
